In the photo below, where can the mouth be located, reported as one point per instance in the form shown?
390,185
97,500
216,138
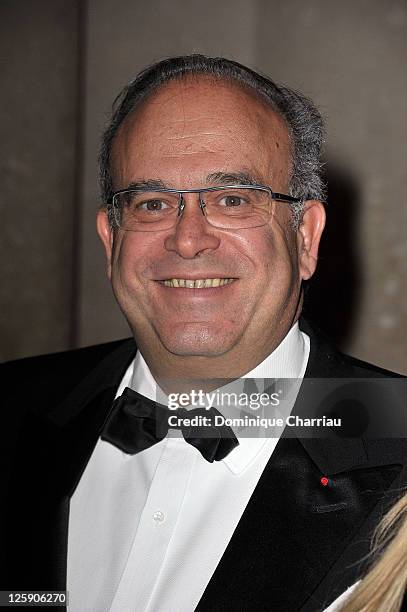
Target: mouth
199,283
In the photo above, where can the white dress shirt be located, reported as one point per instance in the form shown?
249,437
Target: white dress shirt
147,531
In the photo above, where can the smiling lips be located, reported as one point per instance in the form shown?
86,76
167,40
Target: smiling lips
200,283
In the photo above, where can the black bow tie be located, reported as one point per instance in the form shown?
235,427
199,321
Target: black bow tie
136,423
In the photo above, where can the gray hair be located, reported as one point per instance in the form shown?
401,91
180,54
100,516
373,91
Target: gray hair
303,120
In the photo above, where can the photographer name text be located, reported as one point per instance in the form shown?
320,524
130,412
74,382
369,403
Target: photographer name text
219,420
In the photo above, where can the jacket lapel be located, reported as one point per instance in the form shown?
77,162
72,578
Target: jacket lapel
292,532
58,442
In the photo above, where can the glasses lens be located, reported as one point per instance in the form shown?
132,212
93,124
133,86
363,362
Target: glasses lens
237,208
231,208
146,211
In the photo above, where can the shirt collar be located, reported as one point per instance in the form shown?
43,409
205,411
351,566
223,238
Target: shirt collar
288,360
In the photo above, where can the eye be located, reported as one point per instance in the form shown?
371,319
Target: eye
232,200
152,205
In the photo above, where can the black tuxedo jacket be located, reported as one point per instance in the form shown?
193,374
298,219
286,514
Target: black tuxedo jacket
298,544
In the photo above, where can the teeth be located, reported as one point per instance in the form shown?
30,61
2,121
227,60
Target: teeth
200,283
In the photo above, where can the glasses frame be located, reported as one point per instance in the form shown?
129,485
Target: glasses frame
274,195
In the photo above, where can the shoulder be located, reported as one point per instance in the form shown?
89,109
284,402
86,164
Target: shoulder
363,369
34,386
33,379
326,360
75,362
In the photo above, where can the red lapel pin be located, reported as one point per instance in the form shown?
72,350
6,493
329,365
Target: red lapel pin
326,482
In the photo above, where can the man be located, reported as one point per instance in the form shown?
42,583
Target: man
211,221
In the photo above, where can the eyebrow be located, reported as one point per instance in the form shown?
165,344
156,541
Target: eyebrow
148,184
214,178
232,178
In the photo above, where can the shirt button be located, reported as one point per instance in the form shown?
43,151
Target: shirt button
158,516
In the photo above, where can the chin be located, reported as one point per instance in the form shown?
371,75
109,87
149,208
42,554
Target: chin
192,340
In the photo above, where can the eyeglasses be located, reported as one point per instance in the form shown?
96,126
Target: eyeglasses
226,207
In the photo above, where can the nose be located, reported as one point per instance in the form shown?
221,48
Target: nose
192,234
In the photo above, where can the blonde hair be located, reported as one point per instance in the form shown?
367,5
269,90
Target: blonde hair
383,588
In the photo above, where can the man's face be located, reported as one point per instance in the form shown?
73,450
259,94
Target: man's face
183,136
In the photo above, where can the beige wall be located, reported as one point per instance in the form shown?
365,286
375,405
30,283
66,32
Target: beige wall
38,118
348,56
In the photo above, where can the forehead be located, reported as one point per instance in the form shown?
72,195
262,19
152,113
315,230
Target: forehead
201,125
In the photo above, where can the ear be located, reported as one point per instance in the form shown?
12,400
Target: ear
106,235
308,237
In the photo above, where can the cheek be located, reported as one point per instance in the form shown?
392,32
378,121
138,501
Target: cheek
278,260
130,256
